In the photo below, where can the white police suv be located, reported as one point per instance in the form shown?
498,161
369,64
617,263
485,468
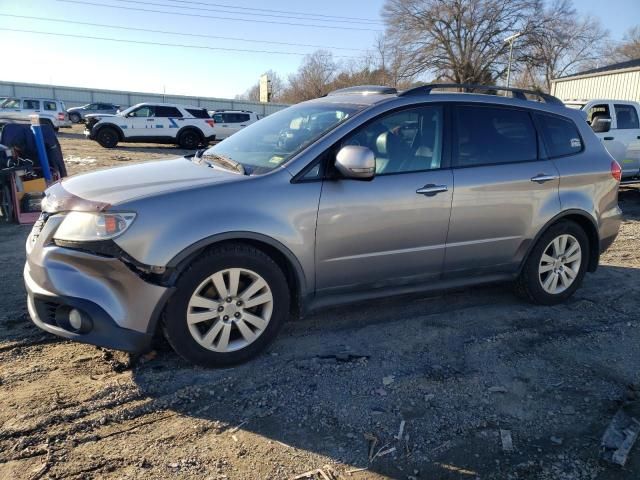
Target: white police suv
183,125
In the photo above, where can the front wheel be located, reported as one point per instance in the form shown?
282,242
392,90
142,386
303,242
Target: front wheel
74,117
107,137
229,305
556,266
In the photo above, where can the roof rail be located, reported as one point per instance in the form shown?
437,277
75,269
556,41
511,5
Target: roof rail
518,93
364,90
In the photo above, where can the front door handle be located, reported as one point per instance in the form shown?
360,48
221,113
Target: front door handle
608,138
542,178
149,119
431,189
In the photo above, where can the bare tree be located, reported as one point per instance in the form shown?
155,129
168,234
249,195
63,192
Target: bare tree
561,43
456,40
312,78
629,49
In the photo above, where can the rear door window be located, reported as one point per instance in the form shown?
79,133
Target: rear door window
626,117
168,112
493,135
560,135
31,104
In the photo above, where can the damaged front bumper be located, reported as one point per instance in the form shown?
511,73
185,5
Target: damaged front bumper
114,307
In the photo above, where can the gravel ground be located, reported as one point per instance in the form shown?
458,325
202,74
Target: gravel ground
409,387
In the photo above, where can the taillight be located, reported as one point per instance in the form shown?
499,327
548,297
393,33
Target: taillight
616,170
211,122
60,116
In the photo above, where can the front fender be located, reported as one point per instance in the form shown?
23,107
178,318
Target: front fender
170,227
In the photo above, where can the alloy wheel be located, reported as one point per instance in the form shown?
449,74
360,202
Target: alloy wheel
560,264
229,310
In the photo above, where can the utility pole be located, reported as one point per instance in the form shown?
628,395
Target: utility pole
511,40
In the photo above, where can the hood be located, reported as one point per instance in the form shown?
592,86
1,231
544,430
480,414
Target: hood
75,109
101,189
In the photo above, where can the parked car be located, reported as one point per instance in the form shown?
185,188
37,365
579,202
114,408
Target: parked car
77,114
325,202
51,112
229,122
617,124
183,125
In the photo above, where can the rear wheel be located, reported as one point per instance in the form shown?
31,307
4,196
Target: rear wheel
556,265
189,140
229,305
107,137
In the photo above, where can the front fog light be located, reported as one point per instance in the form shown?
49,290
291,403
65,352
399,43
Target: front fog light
75,319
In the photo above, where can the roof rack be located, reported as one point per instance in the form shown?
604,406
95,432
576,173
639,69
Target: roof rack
364,90
518,93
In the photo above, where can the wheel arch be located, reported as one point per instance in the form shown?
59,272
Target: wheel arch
584,220
189,128
285,259
118,130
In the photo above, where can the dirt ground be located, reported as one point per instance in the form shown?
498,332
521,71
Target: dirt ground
404,388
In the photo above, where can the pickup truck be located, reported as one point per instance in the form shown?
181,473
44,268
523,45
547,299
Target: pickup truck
617,124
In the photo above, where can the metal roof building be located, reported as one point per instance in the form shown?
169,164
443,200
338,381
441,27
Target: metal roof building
75,96
620,81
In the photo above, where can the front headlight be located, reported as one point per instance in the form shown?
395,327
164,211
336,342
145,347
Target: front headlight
93,226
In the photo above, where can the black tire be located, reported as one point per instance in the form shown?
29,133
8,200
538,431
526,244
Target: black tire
529,284
189,140
107,137
6,205
220,258
75,117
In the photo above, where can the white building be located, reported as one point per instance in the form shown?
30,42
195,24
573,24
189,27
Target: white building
620,81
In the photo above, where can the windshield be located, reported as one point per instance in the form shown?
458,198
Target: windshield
123,113
272,141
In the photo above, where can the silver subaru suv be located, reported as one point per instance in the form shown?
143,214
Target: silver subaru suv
363,193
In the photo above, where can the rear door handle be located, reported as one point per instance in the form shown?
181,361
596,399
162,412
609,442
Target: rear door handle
608,138
149,119
542,178
431,189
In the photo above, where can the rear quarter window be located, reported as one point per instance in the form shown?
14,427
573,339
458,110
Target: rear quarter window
50,106
198,112
560,135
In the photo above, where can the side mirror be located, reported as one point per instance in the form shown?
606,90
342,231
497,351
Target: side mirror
356,162
601,124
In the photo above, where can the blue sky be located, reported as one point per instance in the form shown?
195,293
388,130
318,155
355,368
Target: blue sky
105,64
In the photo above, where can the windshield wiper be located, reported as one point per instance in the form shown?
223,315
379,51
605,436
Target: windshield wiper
224,162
